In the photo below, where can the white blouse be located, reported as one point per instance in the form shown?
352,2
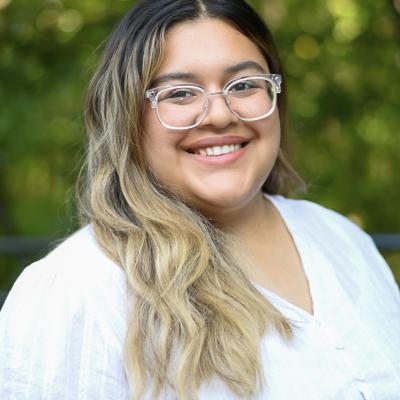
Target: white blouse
63,325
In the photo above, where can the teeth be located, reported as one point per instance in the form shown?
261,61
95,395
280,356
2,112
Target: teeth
218,150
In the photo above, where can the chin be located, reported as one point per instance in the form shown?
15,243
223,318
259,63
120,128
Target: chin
223,200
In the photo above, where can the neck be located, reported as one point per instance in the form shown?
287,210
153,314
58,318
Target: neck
250,222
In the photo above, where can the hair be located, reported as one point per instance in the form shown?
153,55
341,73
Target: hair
194,314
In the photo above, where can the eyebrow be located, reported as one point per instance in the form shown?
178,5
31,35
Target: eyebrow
245,65
189,76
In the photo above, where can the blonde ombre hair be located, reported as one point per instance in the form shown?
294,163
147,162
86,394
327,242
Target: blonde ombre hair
195,315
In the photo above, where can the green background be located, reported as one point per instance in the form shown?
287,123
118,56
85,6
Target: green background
342,64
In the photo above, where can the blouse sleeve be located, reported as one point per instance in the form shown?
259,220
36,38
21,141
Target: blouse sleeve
380,276
59,339
362,271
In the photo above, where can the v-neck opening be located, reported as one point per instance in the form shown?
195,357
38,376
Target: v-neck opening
303,253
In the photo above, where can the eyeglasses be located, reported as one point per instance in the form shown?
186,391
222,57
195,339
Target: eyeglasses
249,98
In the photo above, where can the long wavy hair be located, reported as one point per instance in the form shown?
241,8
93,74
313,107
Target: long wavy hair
195,315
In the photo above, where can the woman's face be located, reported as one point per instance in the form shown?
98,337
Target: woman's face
205,53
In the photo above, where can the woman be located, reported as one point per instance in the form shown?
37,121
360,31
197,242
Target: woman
195,277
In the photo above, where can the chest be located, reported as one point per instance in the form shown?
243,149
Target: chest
279,268
324,362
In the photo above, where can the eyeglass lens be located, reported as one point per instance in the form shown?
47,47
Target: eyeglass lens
247,98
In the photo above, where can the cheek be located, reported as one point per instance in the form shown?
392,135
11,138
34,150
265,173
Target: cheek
152,141
158,160
155,151
270,142
269,133
276,123
275,142
274,130
161,150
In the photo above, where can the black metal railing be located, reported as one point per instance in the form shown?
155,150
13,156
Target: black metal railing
25,246
387,241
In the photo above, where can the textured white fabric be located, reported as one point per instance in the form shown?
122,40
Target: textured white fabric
63,325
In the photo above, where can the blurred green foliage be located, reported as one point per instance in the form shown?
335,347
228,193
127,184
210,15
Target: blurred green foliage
342,63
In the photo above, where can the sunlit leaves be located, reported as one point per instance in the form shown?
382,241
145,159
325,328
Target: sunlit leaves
342,65
342,61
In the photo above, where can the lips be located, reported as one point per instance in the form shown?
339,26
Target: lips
219,141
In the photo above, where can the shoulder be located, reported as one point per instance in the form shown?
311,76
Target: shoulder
74,276
76,272
66,315
80,253
321,223
77,266
351,252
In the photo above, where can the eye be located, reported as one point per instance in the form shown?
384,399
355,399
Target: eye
181,93
243,86
178,94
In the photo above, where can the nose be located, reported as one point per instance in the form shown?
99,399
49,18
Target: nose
218,113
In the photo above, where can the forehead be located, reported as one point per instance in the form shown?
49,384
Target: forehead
207,47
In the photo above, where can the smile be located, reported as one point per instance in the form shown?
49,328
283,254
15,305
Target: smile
218,150
223,155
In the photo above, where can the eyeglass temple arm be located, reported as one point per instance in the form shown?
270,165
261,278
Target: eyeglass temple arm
277,79
151,95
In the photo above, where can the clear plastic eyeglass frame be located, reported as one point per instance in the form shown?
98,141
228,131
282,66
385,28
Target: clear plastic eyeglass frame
153,95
